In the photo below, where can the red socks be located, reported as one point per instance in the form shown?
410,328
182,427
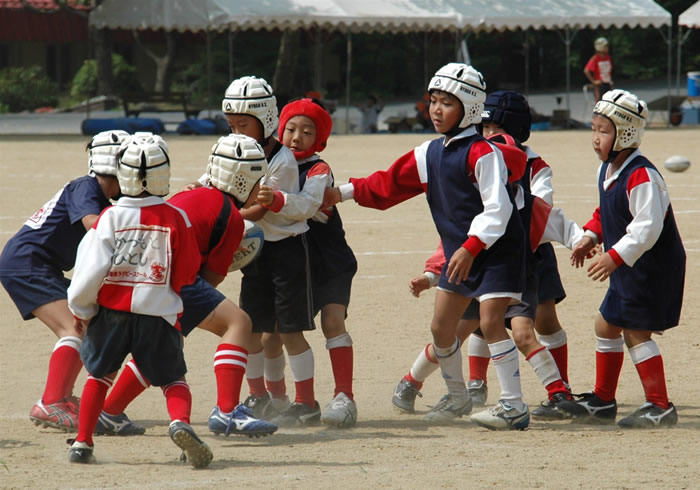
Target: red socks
229,367
179,401
64,366
91,403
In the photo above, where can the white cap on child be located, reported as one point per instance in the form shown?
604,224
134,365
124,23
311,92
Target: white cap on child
627,113
465,83
102,152
237,162
143,166
252,96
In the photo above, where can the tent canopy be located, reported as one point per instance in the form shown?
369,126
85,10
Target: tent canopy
376,15
691,17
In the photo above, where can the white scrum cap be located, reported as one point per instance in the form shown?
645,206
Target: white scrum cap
152,138
252,96
103,150
143,166
465,83
627,113
237,162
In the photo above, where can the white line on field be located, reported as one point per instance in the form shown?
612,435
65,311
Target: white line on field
687,211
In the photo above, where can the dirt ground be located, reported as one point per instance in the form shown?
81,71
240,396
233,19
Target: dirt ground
389,327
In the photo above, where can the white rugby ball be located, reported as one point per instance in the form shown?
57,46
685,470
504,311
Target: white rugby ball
250,247
677,163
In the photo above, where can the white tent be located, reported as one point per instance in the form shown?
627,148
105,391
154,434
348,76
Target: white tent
350,16
691,17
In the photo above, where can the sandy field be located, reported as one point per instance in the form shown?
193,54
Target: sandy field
389,327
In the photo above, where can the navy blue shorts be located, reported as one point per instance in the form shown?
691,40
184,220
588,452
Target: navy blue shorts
549,285
527,306
155,345
30,292
334,291
199,299
276,288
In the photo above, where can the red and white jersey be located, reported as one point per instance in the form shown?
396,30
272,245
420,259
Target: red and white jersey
649,202
136,258
408,177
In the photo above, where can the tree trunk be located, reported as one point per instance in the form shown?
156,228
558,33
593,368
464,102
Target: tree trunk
164,64
287,59
102,40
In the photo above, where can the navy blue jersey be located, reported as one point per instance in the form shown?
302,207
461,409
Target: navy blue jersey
649,294
48,241
454,202
329,252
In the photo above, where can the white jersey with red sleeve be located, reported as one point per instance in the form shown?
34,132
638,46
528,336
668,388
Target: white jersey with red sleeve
408,177
649,202
305,204
136,258
540,177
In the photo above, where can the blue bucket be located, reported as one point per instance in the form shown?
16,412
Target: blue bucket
694,84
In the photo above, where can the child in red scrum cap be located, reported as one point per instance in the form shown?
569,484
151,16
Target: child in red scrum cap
305,127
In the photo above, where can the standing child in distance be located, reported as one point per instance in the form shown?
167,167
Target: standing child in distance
236,166
125,293
466,182
276,288
32,265
644,259
304,128
599,68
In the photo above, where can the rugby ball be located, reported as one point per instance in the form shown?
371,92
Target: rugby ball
250,247
677,163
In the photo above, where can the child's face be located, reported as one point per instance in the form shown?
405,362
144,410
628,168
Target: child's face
245,124
603,136
299,133
446,111
489,129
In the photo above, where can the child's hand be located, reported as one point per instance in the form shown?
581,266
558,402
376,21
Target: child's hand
331,197
601,269
266,195
190,186
418,284
459,266
582,251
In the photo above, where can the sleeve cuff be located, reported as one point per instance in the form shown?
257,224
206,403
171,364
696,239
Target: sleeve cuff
432,278
616,257
473,245
277,202
347,191
592,235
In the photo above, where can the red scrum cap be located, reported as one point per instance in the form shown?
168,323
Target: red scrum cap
516,159
322,120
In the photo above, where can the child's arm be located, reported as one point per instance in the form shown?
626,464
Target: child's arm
431,274
541,180
92,263
407,177
489,170
550,224
304,204
648,203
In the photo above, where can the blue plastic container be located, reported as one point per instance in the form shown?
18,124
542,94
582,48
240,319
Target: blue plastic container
694,84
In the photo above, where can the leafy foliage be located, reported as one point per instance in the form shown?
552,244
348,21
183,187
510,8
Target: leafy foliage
125,80
25,89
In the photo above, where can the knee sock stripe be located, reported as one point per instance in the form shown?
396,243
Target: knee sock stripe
644,351
554,340
603,345
444,352
501,355
428,356
105,381
73,342
233,362
534,353
342,340
231,353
